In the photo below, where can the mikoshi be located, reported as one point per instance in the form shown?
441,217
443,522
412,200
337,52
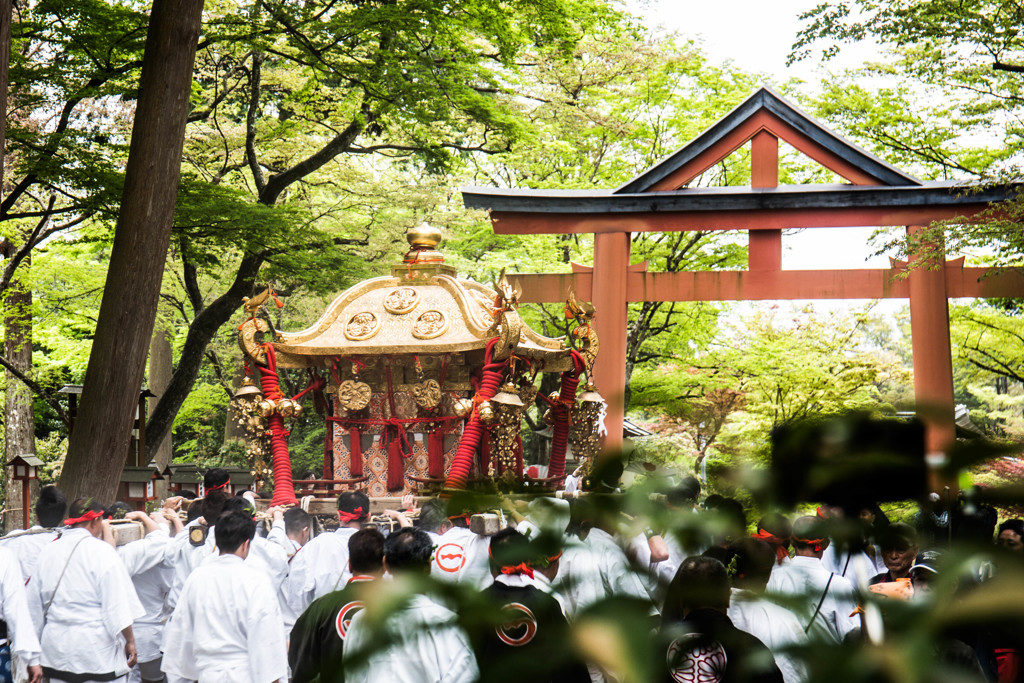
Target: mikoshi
423,379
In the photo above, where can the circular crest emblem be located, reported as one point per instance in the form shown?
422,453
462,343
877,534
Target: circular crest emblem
345,615
362,325
430,324
450,558
401,300
519,627
689,662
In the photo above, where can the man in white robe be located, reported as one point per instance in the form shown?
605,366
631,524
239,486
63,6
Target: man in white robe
21,632
226,627
26,544
772,624
85,602
151,576
424,644
460,556
828,599
322,566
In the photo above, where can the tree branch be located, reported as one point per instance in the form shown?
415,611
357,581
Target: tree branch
250,123
37,390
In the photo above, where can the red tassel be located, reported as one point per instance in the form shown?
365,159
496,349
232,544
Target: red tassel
435,454
396,465
355,453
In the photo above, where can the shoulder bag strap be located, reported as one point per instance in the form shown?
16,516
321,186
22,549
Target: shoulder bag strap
46,610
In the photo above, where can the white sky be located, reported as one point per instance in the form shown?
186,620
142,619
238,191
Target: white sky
756,36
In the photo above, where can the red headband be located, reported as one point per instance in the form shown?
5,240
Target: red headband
521,568
817,544
87,517
218,486
778,543
346,517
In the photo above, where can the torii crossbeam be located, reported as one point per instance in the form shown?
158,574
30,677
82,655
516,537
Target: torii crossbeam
658,200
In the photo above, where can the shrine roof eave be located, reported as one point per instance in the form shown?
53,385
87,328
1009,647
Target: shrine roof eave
712,199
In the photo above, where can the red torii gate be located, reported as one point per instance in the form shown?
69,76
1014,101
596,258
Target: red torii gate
658,200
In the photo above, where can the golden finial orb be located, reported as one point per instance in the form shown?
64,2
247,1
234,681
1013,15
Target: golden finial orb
424,236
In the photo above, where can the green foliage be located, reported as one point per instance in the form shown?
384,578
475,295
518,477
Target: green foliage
199,427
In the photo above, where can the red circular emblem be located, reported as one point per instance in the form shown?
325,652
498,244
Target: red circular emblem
450,558
695,663
345,615
519,627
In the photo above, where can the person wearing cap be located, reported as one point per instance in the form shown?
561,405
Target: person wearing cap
316,646
322,566
899,548
85,602
422,640
828,599
700,638
529,640
226,627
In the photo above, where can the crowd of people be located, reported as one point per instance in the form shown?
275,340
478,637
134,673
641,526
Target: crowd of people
216,597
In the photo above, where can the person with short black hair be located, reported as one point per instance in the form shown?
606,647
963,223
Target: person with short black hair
291,528
529,641
317,640
424,642
226,627
51,508
85,601
775,626
461,555
828,599
216,479
187,551
322,566
1011,535
698,634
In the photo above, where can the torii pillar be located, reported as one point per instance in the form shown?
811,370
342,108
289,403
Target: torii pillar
611,264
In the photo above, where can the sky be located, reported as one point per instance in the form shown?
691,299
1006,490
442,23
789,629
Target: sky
757,36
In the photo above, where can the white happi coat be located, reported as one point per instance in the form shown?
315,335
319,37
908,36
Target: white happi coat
151,576
858,567
320,568
183,558
94,601
21,632
460,556
226,627
595,569
427,647
279,536
773,625
26,546
807,578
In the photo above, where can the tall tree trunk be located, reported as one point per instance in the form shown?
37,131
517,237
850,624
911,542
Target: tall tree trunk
117,363
161,365
19,432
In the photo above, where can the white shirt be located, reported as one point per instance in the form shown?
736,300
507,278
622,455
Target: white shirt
858,567
184,557
460,556
594,569
807,578
151,575
279,536
320,568
93,602
14,604
427,648
226,627
773,625
26,546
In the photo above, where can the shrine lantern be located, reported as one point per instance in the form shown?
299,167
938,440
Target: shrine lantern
25,468
138,485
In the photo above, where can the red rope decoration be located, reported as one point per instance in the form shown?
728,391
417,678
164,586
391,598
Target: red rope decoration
280,462
458,474
566,397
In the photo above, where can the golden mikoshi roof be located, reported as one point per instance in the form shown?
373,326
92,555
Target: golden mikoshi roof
421,308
